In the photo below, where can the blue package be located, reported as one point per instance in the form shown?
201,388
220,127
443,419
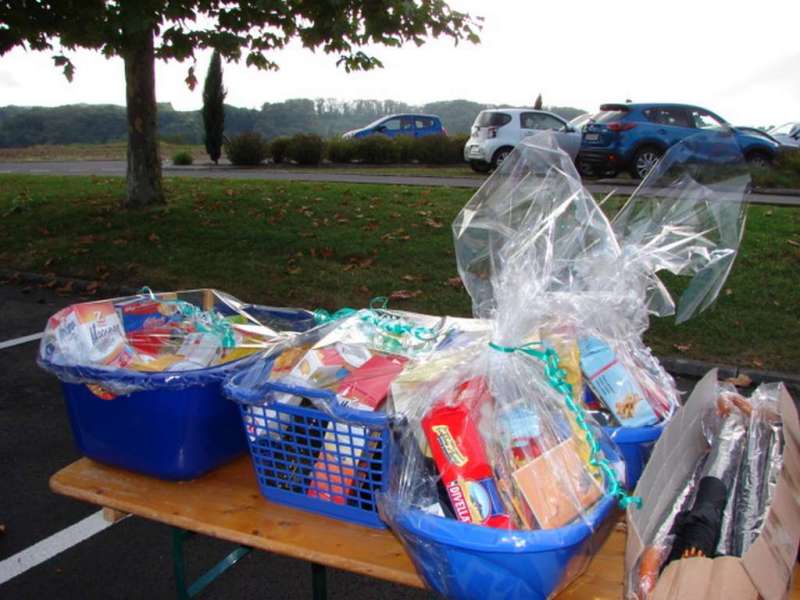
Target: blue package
614,385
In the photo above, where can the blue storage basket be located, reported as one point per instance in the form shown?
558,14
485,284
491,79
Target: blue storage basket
286,445
462,561
635,444
179,427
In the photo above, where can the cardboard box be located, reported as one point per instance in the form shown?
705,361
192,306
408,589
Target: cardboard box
765,570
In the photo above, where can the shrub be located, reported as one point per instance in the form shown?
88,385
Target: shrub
182,158
247,149
341,150
405,148
376,150
278,148
306,149
438,149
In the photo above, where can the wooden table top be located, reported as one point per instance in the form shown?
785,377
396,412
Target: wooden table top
227,504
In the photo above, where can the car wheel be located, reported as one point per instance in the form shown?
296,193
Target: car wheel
587,170
758,160
644,160
500,156
479,166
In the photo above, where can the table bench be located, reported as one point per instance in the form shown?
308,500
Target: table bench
226,504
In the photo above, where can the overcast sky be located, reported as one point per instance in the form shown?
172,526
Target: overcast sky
738,58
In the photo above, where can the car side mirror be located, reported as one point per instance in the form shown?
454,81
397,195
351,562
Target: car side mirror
569,129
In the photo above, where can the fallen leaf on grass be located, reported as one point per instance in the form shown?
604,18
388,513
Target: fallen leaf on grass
404,294
153,237
408,278
682,347
434,223
49,261
455,282
293,270
119,242
91,289
758,363
326,252
741,380
793,243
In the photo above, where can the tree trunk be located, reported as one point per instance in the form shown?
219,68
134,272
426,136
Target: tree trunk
144,162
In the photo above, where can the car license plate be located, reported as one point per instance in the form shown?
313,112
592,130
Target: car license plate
591,137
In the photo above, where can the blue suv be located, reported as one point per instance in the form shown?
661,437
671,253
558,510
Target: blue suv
413,125
633,137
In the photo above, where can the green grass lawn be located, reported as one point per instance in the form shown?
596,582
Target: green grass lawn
332,245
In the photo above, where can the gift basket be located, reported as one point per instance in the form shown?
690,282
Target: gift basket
687,218
502,480
316,416
142,375
720,489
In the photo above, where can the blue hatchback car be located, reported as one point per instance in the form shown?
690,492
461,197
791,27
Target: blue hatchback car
413,125
633,137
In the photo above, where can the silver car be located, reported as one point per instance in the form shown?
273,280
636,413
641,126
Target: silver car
495,132
787,134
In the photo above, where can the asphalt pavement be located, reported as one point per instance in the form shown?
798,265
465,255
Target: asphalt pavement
118,168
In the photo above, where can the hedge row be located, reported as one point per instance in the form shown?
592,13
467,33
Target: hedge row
249,149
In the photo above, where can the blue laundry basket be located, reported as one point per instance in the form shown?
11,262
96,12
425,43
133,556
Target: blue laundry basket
635,444
330,462
462,561
176,428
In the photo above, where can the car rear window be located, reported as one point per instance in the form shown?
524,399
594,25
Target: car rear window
492,119
609,116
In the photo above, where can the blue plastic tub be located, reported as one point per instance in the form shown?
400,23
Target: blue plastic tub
461,561
286,445
636,444
169,430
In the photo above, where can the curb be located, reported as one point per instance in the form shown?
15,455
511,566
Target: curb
682,367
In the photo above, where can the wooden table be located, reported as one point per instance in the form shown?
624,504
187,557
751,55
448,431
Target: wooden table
226,504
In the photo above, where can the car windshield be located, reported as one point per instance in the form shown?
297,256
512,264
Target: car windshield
375,123
492,119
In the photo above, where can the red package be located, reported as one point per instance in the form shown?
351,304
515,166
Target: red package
451,427
335,469
369,383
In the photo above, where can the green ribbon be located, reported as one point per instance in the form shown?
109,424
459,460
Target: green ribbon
557,379
390,324
205,321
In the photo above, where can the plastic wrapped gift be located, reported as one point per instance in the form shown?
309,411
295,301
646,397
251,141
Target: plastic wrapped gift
181,335
142,375
504,479
721,510
687,218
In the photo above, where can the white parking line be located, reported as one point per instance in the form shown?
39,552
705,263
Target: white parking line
52,546
20,340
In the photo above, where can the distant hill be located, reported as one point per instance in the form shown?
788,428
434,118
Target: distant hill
101,123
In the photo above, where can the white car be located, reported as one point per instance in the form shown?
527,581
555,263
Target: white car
787,134
495,132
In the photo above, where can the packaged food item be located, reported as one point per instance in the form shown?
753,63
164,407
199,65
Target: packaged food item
612,382
451,427
91,333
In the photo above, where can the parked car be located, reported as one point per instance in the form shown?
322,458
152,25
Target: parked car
412,125
634,137
495,132
787,134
